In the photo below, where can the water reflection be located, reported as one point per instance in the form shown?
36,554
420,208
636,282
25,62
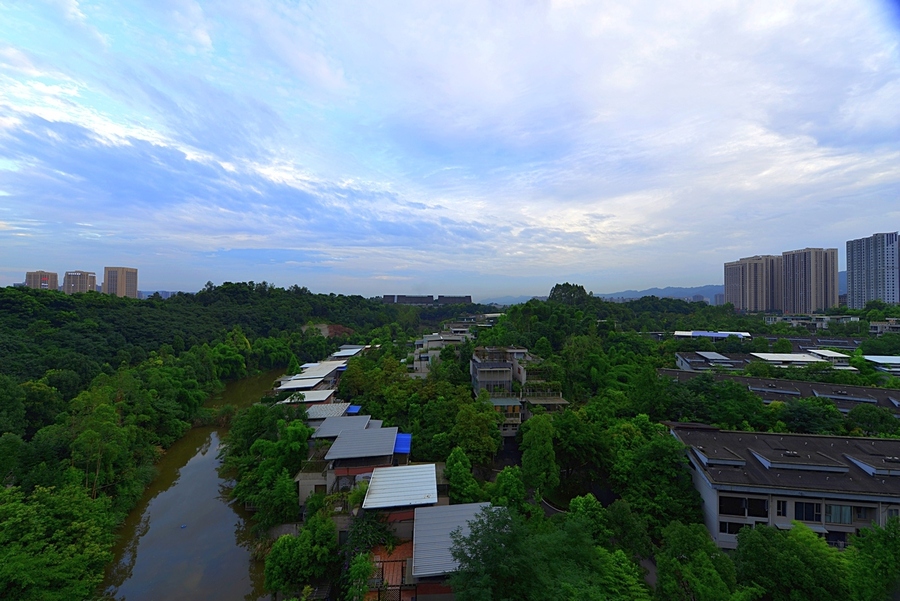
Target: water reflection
185,539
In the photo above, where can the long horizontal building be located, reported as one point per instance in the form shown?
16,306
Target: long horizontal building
834,485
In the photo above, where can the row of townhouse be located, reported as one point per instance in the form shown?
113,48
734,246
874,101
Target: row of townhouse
835,485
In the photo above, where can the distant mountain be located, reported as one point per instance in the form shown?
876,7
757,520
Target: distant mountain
709,291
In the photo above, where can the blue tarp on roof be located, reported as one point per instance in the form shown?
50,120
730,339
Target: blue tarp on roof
403,443
354,409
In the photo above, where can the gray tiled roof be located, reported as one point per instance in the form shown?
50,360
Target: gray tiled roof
355,444
332,426
431,536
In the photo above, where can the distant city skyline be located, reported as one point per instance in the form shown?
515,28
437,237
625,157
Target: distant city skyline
460,148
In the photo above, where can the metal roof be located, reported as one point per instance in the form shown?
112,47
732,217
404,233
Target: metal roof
883,359
356,444
403,444
327,410
305,384
431,536
354,409
795,357
402,486
374,423
348,352
309,396
318,370
712,356
333,426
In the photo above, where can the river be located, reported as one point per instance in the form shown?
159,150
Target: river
185,539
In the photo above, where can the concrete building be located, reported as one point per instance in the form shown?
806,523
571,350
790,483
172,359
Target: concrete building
79,281
42,280
835,485
120,281
873,270
810,280
754,284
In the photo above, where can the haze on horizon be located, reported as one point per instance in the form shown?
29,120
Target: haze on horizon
442,148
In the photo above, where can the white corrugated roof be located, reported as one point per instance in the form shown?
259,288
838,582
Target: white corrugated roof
309,396
883,359
304,384
356,444
431,536
322,369
798,357
402,486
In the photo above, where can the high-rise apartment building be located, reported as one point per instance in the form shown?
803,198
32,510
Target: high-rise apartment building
79,281
121,281
810,280
42,280
754,283
873,270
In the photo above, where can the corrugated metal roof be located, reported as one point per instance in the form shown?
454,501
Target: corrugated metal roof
322,369
300,384
374,423
431,536
327,410
355,444
402,486
309,396
333,426
403,443
348,352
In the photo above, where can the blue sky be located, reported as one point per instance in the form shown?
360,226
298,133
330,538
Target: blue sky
484,148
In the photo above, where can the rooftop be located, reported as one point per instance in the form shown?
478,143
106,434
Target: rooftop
357,444
333,426
309,396
402,486
835,465
431,536
327,410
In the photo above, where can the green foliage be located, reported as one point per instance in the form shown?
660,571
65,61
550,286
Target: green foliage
539,470
54,543
295,561
505,557
358,494
367,531
796,564
477,431
458,472
873,561
361,569
508,489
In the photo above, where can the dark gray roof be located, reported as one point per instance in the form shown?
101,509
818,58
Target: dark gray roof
355,444
431,536
800,462
844,397
332,426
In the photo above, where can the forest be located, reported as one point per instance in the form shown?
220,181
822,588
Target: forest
93,388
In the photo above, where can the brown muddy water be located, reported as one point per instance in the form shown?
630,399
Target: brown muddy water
185,539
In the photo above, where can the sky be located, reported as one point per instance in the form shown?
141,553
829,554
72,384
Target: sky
483,148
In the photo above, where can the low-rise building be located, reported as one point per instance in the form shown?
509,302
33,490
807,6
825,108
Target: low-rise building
710,360
397,491
714,336
835,485
844,397
886,363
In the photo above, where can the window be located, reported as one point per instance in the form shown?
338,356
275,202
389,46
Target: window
838,514
730,527
732,506
758,508
781,508
863,513
808,512
893,513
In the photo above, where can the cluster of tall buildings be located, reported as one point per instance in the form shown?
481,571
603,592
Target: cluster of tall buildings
806,281
120,281
796,281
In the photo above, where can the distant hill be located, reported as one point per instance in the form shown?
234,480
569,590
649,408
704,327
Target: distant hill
709,291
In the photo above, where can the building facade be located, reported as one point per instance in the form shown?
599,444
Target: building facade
873,270
835,485
79,281
810,280
42,280
120,281
754,284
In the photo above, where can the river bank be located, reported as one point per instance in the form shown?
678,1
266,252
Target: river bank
185,539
